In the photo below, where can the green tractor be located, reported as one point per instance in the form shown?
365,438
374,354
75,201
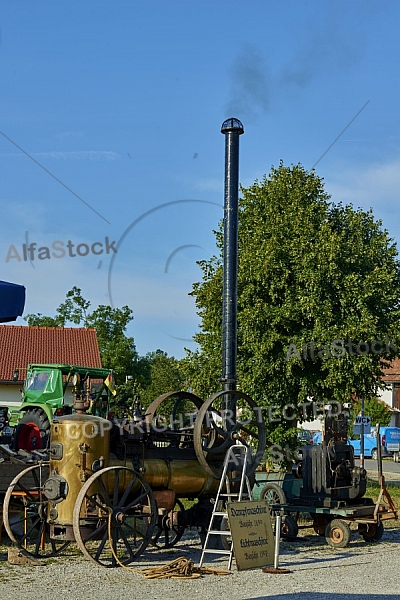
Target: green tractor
48,391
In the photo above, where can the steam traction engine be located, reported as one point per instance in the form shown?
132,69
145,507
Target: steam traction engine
115,488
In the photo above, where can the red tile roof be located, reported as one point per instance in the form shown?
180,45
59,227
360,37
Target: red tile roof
20,346
392,373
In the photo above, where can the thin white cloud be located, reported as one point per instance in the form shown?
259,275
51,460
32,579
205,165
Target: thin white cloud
69,134
214,185
376,185
90,155
20,216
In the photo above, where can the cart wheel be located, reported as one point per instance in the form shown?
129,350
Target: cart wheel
371,532
289,528
338,533
114,516
182,408
320,524
273,494
212,440
168,532
25,511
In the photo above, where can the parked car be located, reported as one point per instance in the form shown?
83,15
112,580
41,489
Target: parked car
370,445
304,437
390,438
390,443
317,438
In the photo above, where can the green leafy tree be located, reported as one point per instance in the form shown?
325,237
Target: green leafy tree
117,350
374,408
127,399
318,282
165,376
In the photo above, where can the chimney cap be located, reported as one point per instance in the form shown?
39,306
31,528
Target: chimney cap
232,124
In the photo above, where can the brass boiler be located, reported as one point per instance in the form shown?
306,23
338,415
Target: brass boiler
186,477
80,446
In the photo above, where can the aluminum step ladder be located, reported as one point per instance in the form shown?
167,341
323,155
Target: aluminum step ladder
238,456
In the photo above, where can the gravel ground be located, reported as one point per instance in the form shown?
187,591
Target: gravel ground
361,571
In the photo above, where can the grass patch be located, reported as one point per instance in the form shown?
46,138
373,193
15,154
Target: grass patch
373,490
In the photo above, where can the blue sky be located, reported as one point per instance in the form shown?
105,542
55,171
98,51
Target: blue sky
123,102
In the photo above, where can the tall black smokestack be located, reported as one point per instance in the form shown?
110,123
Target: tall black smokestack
231,128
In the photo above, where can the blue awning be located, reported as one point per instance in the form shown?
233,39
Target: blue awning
12,301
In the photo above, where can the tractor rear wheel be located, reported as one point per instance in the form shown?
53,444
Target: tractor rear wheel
32,431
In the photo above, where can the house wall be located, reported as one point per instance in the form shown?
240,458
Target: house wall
391,398
387,396
315,425
10,394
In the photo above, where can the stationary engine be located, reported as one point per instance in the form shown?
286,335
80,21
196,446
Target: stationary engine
329,474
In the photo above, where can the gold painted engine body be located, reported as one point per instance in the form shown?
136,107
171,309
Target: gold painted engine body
80,446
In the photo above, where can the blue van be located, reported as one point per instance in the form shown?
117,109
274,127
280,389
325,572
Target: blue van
370,445
390,438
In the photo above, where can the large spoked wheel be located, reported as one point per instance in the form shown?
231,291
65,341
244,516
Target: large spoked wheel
25,511
171,418
174,410
114,516
168,531
216,429
338,534
32,431
371,532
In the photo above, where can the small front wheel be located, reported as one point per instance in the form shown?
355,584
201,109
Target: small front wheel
320,524
371,532
338,534
289,528
168,531
273,494
374,454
